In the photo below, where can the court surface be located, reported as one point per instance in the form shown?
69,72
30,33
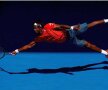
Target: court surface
95,79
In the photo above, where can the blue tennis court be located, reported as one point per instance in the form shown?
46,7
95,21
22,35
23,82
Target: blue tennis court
48,72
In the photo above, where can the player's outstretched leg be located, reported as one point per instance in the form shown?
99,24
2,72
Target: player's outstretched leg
92,24
95,48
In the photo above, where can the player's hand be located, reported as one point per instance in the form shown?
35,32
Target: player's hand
13,53
107,52
77,27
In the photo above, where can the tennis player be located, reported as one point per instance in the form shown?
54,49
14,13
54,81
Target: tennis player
52,32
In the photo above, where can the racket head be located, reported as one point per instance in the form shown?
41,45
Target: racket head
2,52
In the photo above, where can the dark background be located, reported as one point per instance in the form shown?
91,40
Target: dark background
16,23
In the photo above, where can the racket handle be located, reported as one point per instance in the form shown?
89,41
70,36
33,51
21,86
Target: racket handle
11,54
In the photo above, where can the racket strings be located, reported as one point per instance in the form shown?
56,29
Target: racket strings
2,52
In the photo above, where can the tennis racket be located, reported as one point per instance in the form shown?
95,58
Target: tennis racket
3,52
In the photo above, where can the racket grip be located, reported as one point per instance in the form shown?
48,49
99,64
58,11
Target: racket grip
11,53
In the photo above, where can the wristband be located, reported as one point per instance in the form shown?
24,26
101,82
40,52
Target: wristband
104,52
17,51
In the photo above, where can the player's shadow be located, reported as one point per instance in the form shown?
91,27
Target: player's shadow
66,70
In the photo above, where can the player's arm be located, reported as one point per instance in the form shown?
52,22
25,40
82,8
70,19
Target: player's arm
28,46
95,48
25,47
62,27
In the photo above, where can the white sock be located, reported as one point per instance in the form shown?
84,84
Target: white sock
104,52
106,20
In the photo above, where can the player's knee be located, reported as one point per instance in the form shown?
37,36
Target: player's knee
89,45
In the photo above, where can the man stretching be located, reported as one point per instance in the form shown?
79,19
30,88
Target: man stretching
52,32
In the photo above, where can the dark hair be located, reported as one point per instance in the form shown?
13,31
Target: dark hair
39,21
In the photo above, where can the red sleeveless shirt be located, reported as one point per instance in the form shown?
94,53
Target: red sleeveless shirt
51,35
